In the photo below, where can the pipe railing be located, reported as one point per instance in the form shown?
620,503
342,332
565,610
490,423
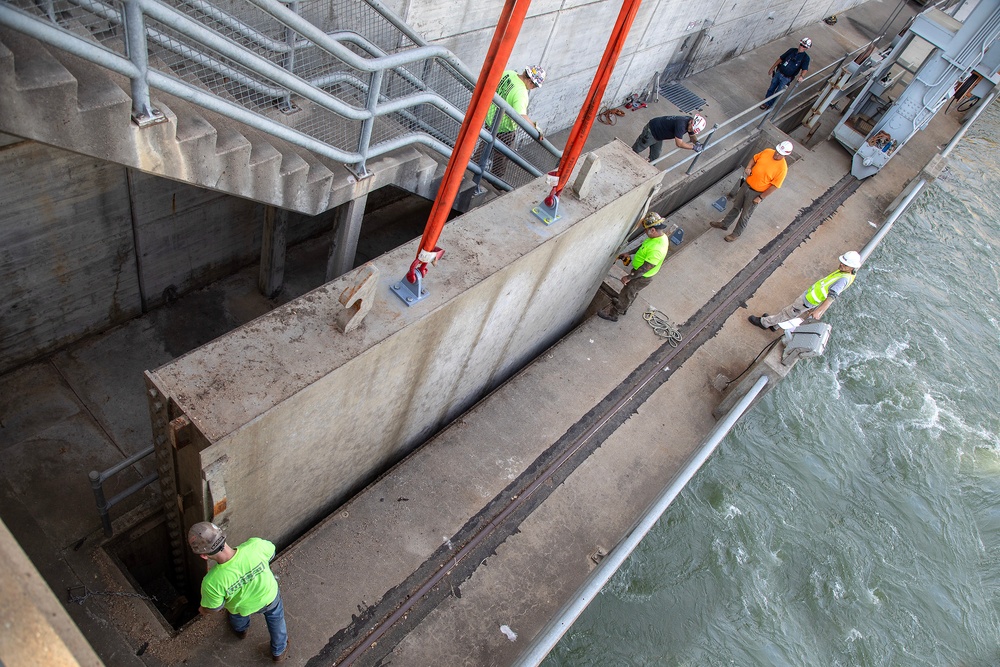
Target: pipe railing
265,67
790,93
97,479
549,636
919,185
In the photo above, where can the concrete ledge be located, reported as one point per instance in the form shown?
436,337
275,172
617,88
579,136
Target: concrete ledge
36,628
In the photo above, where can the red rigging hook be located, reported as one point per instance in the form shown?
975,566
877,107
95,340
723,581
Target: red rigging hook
420,263
508,26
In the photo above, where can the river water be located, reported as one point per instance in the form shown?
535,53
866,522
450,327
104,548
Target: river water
852,518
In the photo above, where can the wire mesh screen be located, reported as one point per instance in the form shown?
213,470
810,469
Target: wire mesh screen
356,16
506,168
101,21
338,67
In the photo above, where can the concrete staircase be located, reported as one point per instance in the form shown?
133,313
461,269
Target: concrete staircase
55,98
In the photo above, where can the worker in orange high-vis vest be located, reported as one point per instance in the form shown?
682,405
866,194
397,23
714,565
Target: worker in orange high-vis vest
815,300
764,174
645,264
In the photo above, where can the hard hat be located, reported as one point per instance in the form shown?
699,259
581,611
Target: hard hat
806,42
206,538
784,148
698,124
851,259
536,74
653,221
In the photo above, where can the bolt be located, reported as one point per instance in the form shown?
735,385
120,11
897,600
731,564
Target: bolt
409,299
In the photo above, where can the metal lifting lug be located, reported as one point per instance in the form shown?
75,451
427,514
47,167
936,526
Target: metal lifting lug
548,209
411,293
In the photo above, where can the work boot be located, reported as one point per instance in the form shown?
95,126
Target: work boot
718,224
608,315
731,237
242,634
281,658
754,320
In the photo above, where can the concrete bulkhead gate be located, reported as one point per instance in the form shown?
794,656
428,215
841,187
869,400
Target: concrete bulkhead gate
270,427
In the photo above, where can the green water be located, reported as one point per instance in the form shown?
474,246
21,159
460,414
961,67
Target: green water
852,518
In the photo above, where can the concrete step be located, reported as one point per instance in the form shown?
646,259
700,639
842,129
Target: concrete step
58,99
35,68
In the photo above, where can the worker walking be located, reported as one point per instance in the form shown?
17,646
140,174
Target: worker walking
645,264
815,300
792,62
669,127
513,88
241,582
764,173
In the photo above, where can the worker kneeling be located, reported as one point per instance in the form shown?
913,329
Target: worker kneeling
815,300
645,264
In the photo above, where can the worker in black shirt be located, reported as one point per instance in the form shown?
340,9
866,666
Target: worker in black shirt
784,69
669,127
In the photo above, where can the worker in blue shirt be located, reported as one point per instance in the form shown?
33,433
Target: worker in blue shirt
784,69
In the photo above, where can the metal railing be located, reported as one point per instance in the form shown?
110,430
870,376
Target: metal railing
549,636
757,117
97,479
917,186
345,79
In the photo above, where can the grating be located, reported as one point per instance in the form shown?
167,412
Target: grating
681,97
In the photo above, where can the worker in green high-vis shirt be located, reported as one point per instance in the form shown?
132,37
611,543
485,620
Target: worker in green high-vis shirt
513,88
645,263
241,582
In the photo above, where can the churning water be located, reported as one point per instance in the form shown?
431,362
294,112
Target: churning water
853,517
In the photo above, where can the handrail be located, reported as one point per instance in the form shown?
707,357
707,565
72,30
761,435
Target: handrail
549,636
97,479
257,75
793,92
919,185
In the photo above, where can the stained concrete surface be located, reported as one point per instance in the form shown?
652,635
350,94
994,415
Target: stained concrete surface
66,414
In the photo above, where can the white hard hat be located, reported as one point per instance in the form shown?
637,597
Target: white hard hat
851,259
784,148
806,42
698,124
536,74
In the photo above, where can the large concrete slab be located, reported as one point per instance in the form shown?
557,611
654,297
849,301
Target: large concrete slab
328,411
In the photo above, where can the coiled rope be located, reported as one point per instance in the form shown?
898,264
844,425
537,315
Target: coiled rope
662,326
610,116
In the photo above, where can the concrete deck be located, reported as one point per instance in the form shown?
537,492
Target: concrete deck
84,408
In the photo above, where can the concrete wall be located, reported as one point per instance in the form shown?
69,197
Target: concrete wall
86,244
67,262
292,417
568,37
36,628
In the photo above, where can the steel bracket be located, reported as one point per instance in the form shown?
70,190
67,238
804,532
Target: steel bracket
409,292
545,213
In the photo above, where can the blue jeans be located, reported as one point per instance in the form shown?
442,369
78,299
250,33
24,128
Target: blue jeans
274,615
778,83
